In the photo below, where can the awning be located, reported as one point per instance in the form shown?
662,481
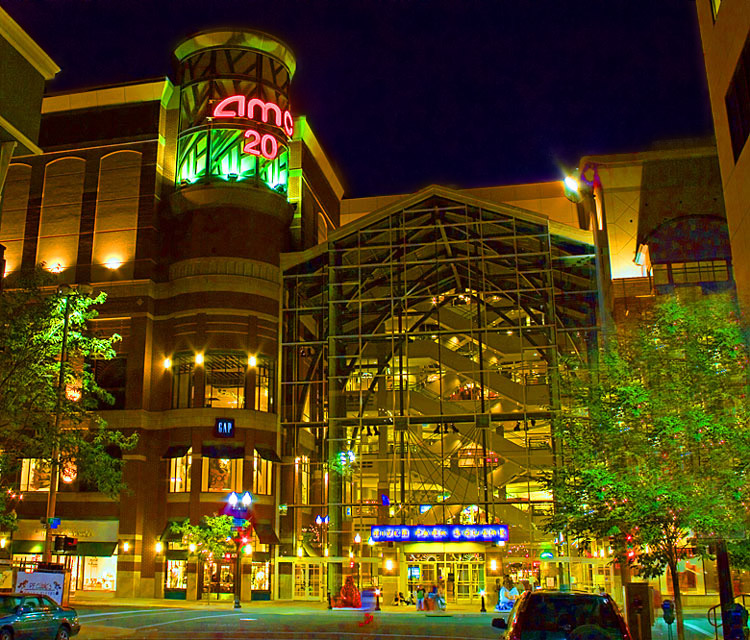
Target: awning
265,533
223,451
268,454
28,546
178,451
102,549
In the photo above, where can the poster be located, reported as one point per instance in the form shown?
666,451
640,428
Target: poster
40,582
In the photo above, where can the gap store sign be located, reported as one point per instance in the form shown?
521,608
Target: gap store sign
441,533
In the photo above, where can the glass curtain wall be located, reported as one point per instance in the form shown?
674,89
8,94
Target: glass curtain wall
418,356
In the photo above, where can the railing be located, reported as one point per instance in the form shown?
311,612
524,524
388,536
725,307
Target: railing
717,622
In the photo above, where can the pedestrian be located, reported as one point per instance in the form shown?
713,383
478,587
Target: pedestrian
420,598
508,595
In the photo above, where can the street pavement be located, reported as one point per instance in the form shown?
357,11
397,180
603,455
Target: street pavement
142,619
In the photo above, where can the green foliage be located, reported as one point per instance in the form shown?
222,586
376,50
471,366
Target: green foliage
211,537
39,418
655,444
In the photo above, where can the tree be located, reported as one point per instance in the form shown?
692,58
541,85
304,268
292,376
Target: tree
654,444
41,419
210,539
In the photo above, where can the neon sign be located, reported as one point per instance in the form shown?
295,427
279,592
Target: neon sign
441,533
258,144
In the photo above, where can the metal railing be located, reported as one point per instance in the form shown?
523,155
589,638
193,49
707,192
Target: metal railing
717,622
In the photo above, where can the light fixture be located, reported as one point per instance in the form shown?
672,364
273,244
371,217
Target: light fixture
370,541
159,547
493,565
319,520
248,549
357,538
572,188
300,552
198,358
192,547
501,543
56,268
252,361
247,500
389,565
351,555
167,363
126,547
113,263
3,542
233,499
325,552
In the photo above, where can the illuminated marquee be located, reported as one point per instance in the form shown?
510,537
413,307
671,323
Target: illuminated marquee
441,533
259,144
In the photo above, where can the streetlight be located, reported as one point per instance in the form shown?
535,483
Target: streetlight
239,506
68,291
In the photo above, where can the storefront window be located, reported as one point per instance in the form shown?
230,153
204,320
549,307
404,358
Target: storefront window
176,577
260,573
179,473
99,573
303,469
222,474
261,475
225,380
34,475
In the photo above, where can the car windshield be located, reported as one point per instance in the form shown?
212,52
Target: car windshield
9,603
588,617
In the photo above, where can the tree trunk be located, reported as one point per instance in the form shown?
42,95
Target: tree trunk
672,563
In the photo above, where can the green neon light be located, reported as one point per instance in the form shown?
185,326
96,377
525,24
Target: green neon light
227,160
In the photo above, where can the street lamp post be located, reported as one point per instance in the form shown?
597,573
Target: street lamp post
68,291
239,505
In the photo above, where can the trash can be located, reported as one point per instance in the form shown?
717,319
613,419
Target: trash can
368,599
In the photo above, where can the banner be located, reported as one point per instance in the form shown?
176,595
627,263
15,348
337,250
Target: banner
39,582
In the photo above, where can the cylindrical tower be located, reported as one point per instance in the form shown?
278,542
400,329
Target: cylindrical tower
232,148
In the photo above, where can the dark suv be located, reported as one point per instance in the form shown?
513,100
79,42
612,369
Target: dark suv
564,615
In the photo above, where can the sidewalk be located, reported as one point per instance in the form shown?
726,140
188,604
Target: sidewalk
272,606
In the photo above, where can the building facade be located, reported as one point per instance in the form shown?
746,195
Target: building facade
379,373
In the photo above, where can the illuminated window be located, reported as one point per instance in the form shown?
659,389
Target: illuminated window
222,474
182,381
737,102
34,475
304,480
225,380
261,475
176,574
179,473
264,385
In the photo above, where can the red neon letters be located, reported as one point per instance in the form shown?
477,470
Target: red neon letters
264,145
269,148
239,107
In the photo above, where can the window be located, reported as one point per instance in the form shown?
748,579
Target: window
34,475
182,381
225,380
111,375
176,574
737,102
691,272
222,474
303,469
261,475
179,473
264,385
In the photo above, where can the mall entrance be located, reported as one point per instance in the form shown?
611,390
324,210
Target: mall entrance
308,581
459,575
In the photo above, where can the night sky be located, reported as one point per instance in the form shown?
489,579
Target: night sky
403,94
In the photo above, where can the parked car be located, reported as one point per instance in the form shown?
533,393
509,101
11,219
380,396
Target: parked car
564,615
23,615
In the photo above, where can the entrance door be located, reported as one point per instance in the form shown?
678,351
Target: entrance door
307,582
467,581
218,579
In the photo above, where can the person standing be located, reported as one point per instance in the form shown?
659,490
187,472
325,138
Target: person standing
420,598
